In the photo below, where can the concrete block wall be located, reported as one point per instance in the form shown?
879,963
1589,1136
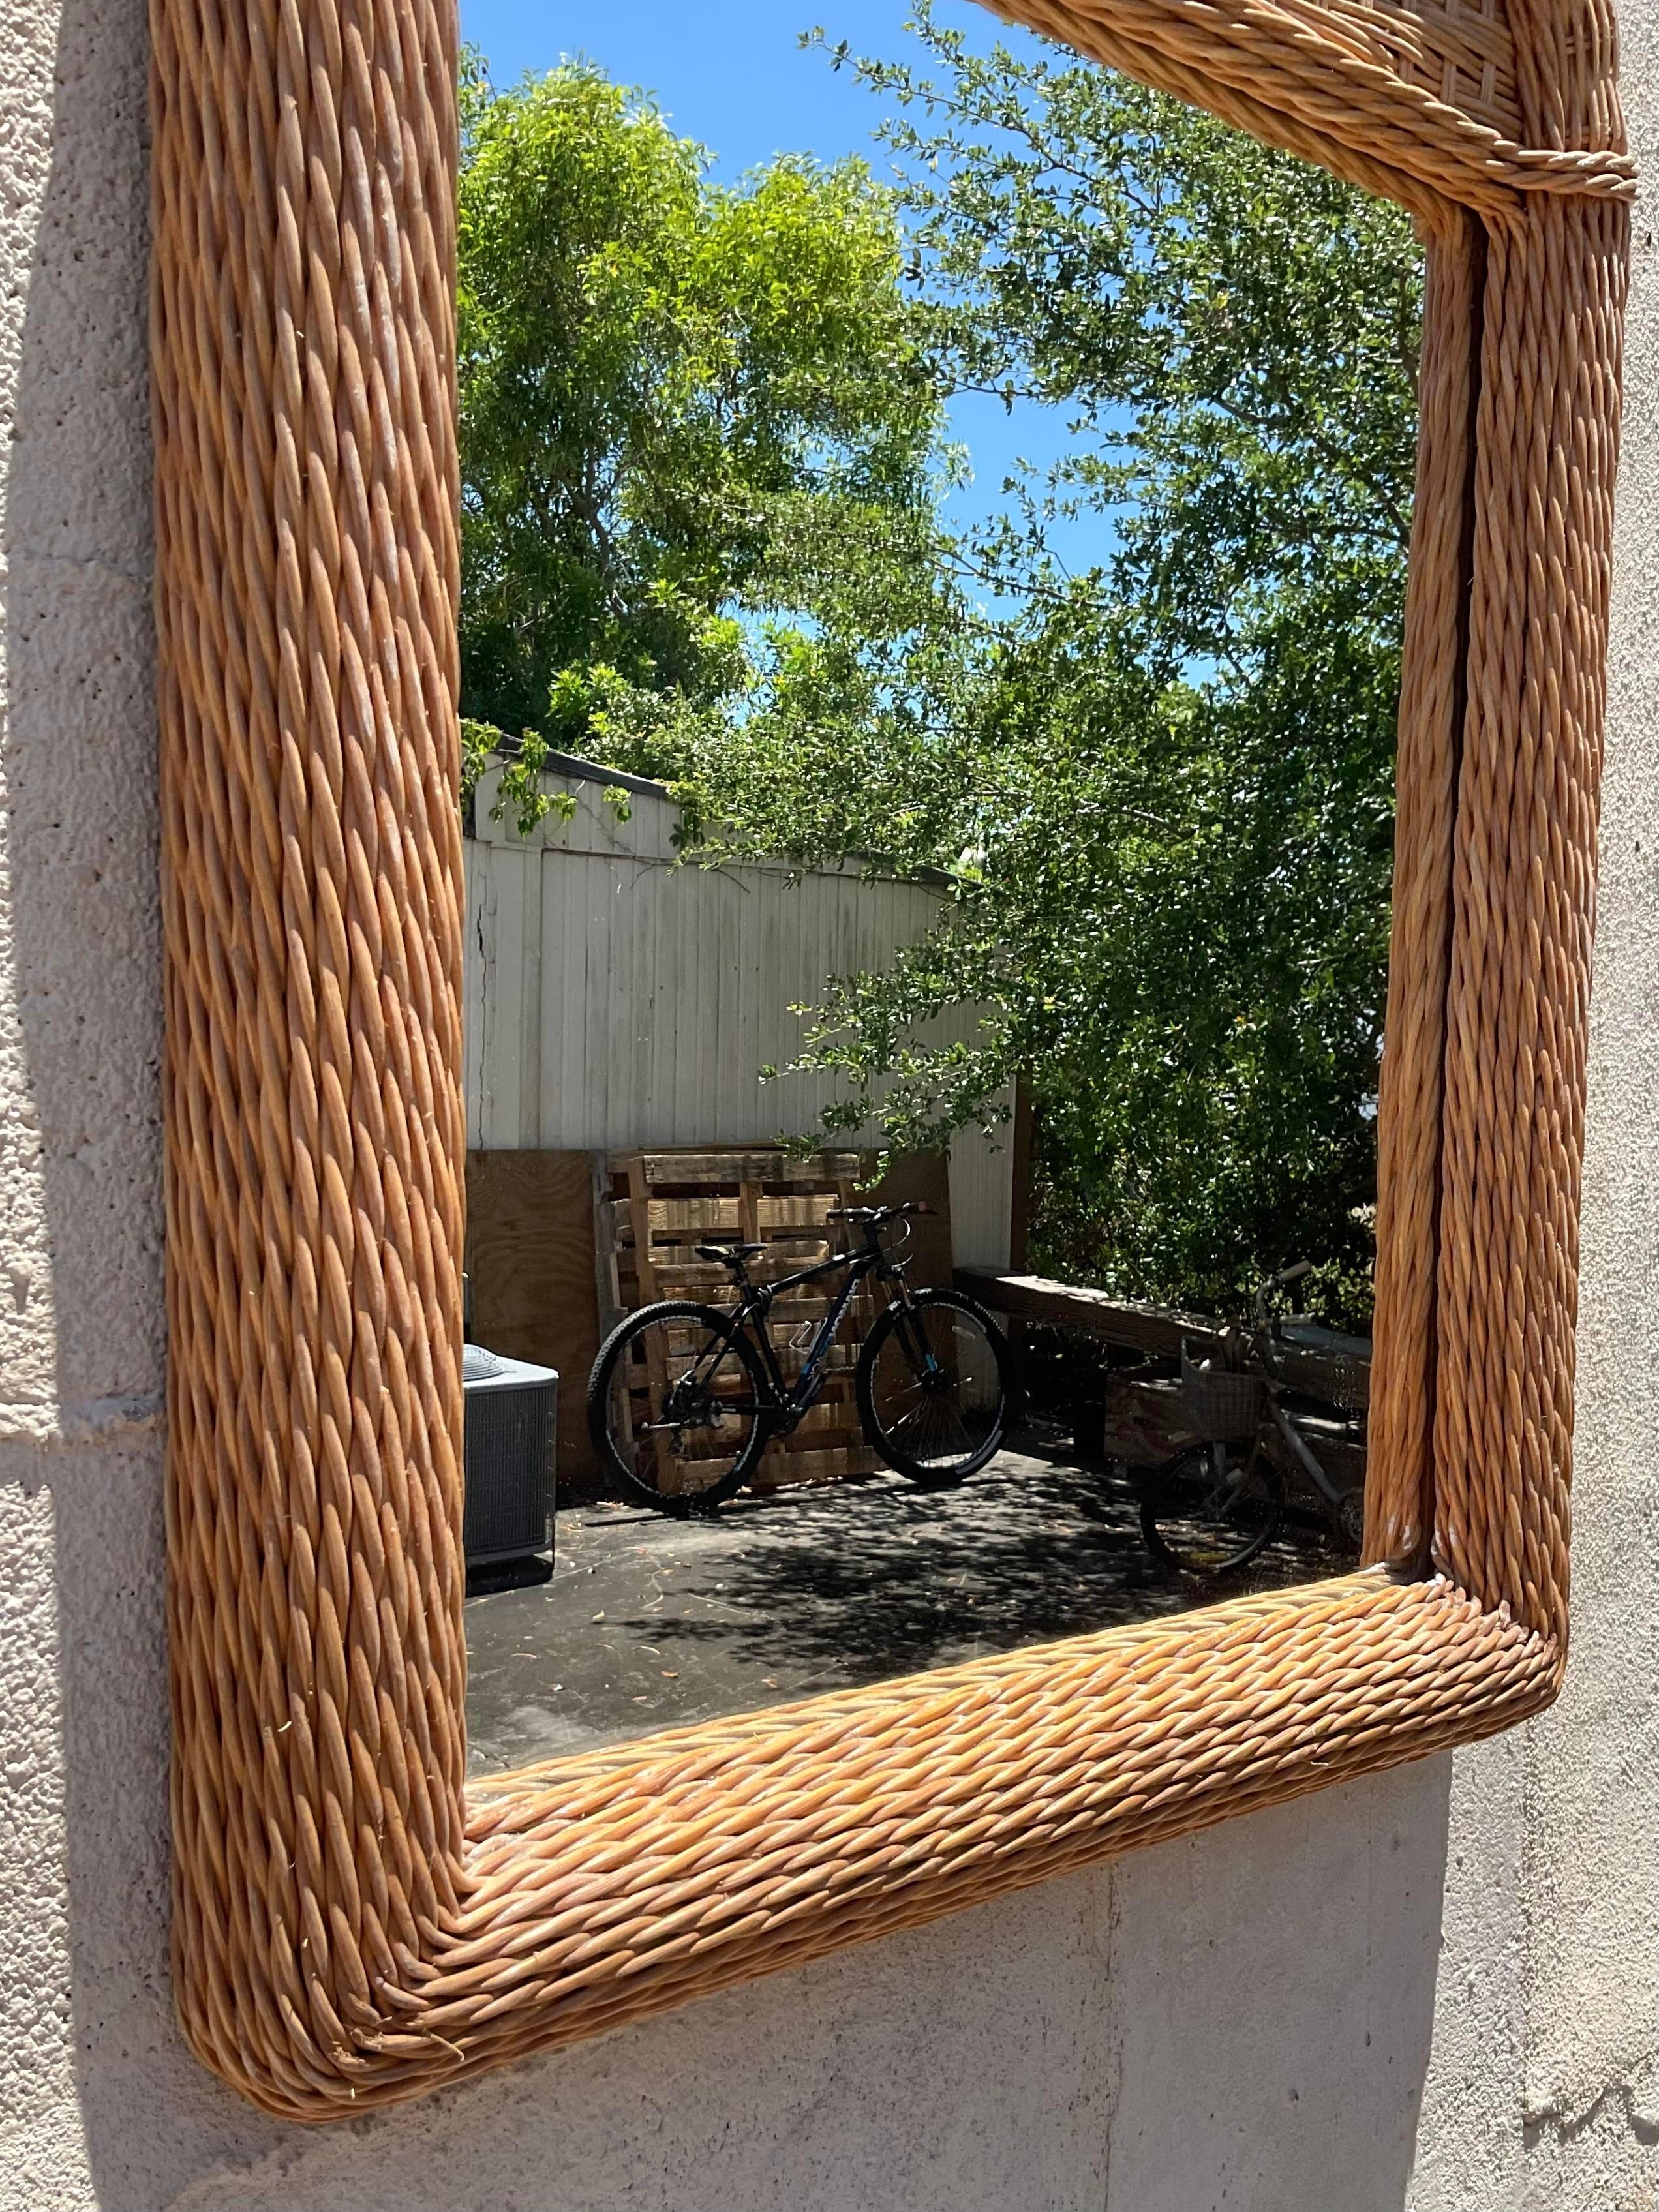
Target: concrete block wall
1433,1991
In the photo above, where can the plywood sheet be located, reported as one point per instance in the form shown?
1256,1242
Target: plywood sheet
530,1264
925,1176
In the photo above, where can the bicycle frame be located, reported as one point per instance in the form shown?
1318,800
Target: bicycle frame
1262,1348
1299,1447
756,1301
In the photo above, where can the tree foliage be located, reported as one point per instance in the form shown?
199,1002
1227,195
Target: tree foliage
670,390
1163,785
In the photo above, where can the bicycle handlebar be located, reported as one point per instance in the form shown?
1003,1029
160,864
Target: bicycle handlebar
1279,1282
876,1215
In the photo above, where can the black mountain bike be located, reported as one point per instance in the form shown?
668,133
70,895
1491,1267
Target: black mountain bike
684,1399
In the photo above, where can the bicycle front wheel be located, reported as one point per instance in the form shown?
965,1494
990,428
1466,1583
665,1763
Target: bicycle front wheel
1212,1509
933,1387
676,1407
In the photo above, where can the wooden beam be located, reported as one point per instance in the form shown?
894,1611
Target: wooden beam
1158,1330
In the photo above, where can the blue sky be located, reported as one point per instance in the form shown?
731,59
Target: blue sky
731,74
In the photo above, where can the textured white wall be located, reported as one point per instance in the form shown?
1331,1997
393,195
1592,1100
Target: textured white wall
615,1000
1551,1928
80,1324
1433,1989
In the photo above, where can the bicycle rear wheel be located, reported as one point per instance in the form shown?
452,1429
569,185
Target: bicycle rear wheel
932,1389
676,1407
1212,1510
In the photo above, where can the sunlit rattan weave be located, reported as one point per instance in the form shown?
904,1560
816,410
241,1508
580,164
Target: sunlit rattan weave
347,1930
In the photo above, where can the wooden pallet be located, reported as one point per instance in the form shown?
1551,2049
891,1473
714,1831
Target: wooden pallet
658,1206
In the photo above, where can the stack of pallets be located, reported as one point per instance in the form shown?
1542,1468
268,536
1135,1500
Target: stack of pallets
659,1206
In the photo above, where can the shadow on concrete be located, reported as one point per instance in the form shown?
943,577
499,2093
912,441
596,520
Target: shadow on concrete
647,1622
882,1581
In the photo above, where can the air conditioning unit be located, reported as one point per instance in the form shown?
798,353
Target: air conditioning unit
511,1408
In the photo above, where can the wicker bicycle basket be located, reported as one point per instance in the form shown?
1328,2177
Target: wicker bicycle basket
1327,1371
1218,1405
1350,1383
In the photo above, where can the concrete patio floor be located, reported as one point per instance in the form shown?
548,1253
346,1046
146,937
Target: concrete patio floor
648,1622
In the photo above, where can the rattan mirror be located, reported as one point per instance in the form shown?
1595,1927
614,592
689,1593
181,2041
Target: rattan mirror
350,1927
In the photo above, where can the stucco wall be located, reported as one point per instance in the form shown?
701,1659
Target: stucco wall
1435,1990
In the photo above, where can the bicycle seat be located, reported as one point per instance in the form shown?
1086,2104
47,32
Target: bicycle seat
729,1255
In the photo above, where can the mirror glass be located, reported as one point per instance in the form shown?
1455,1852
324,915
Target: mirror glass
935,519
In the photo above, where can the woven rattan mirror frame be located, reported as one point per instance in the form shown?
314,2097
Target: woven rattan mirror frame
350,1926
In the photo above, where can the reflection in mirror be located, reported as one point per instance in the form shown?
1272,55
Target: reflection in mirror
930,634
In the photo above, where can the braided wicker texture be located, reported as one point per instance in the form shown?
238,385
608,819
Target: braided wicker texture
348,1928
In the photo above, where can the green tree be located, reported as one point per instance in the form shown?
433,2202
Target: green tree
1166,786
703,457
675,400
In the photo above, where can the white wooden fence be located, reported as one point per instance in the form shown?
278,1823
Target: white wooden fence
616,1000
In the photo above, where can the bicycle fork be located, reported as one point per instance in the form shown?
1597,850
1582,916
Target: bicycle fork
913,1337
